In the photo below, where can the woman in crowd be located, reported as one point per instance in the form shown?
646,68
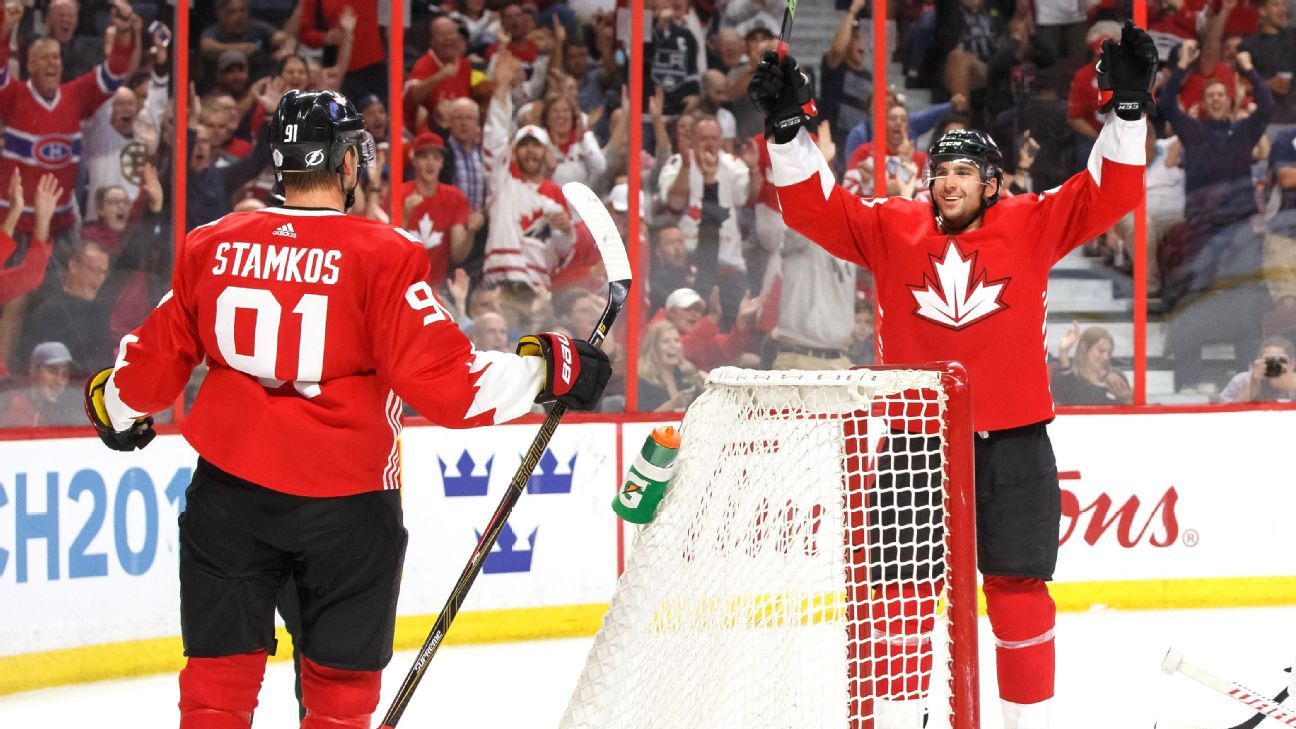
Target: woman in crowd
576,149
667,381
1087,378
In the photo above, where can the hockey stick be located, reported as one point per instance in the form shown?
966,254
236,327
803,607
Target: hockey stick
1251,723
785,30
617,264
1258,717
1263,707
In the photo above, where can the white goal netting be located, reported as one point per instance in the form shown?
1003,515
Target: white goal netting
796,572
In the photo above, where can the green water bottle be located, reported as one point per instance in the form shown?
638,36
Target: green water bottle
645,484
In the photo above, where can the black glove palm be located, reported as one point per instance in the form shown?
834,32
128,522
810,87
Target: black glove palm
782,93
1126,72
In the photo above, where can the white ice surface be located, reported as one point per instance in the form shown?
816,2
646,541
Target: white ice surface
1108,676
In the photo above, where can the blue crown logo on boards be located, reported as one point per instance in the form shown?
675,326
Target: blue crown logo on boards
547,480
506,556
551,476
466,484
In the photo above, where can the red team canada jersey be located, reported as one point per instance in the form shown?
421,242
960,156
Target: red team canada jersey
979,297
315,326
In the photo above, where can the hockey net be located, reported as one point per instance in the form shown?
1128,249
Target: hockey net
812,563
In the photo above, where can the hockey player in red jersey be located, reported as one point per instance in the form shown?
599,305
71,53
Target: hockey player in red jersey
315,327
966,279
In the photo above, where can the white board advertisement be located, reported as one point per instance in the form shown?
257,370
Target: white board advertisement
88,550
88,536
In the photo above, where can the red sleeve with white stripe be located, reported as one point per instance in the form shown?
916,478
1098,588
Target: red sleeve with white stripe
429,361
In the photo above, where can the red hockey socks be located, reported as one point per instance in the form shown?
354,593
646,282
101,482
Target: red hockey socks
336,698
1022,615
902,617
220,693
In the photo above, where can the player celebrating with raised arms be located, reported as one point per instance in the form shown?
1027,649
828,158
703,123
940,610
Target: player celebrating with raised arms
965,279
315,327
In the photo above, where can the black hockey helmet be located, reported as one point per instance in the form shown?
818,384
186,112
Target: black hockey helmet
967,144
972,146
312,131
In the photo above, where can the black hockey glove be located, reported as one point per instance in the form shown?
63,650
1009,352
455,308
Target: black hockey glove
575,370
782,93
1126,72
139,435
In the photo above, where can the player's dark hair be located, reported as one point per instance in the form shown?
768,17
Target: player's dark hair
321,180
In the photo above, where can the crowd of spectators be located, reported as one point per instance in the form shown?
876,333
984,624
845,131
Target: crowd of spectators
88,125
504,101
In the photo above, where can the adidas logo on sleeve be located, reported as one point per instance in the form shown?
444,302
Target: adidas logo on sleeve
285,230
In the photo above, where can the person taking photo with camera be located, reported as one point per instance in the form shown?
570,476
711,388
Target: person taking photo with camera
1270,378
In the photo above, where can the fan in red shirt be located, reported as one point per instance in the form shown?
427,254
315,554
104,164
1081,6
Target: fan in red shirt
964,277
439,75
436,213
859,178
315,327
366,71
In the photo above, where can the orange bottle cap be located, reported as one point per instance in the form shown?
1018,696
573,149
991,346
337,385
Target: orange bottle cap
667,436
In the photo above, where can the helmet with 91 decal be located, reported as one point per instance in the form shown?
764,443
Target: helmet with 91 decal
312,131
971,147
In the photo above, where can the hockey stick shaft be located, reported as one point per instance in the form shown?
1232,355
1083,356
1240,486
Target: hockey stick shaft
1174,662
785,30
618,268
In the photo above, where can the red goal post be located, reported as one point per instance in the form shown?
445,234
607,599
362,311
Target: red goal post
812,564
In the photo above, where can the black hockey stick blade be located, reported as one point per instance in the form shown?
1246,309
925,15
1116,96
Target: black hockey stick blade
617,265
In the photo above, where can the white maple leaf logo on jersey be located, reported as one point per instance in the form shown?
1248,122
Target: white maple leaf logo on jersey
959,295
431,238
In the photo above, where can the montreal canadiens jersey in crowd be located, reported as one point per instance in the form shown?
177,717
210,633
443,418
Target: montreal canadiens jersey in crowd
315,326
43,136
981,297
